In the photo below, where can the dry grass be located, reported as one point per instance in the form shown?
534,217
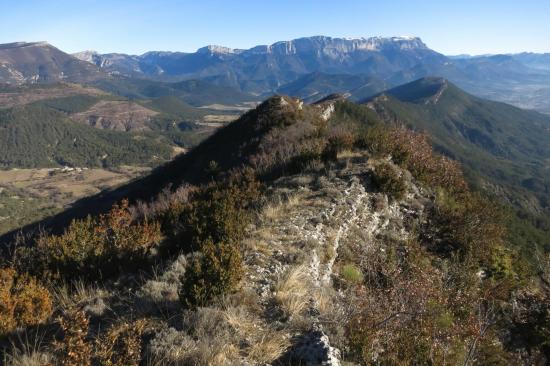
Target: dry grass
349,154
170,347
161,292
277,209
79,294
216,344
217,353
240,319
257,246
26,358
268,347
265,344
29,350
292,290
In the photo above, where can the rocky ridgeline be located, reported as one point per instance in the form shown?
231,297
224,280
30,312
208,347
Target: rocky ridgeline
320,214
292,263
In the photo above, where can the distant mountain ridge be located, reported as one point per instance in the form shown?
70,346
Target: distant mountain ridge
290,67
305,67
22,62
267,67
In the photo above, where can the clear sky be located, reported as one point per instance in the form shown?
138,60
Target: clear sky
137,26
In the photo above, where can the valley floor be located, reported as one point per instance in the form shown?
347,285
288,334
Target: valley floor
28,195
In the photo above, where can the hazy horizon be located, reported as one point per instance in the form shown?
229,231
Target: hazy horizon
135,27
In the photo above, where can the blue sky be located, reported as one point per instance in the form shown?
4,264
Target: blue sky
137,26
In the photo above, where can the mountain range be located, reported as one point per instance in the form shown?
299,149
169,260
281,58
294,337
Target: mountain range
308,67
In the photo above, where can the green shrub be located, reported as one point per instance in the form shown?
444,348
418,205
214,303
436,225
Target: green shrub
218,211
352,273
214,224
388,180
216,272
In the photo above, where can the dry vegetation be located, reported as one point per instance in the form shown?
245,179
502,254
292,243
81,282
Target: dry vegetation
233,269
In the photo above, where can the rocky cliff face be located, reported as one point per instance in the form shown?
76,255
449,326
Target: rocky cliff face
265,67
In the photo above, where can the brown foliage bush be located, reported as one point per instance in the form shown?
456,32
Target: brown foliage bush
121,345
74,347
339,140
414,152
91,245
23,301
412,315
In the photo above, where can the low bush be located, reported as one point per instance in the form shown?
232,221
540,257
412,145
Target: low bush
23,301
121,344
218,211
304,160
416,318
74,347
413,151
91,246
338,141
389,181
214,273
214,224
468,224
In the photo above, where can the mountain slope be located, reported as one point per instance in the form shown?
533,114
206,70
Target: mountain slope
194,92
508,146
38,136
40,62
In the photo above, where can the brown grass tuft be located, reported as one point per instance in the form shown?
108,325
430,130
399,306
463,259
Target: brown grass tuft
292,291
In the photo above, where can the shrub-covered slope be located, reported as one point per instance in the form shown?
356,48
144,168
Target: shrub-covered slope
296,235
504,149
509,145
